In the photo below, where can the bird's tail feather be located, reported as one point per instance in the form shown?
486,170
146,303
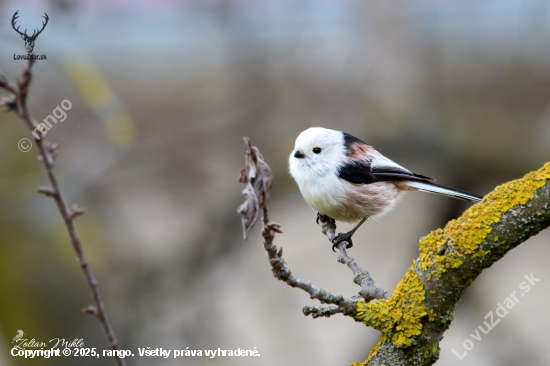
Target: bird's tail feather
446,191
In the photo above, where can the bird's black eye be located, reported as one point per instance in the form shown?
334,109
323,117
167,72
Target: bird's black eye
316,150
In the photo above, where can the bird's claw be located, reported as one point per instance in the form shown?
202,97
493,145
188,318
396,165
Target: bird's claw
323,218
340,238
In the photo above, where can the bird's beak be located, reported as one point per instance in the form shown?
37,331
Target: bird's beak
298,154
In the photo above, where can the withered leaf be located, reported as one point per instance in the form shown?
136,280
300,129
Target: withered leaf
248,210
258,179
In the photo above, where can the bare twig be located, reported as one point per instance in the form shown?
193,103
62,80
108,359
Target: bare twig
361,277
47,152
281,271
319,311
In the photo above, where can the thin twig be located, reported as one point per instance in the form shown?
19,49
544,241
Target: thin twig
281,271
361,277
319,311
47,153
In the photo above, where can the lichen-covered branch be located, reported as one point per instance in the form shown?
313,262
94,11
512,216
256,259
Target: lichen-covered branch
17,102
412,321
421,308
320,311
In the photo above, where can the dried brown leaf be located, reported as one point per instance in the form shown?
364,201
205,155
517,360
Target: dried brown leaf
248,210
259,179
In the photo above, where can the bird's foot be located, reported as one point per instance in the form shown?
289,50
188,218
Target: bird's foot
343,237
323,218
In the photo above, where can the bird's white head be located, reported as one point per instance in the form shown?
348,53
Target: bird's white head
317,152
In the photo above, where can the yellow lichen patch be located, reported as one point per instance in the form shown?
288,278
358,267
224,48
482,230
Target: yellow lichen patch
431,349
431,314
357,363
479,253
464,235
398,318
433,244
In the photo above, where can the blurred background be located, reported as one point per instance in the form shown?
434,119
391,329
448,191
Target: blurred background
162,93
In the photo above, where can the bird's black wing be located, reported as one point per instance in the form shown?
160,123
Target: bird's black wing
362,172
357,172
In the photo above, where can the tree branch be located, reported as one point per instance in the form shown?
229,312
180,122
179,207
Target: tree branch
319,311
17,103
413,319
361,277
422,306
281,271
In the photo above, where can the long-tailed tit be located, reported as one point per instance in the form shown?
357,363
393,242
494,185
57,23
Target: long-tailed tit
345,179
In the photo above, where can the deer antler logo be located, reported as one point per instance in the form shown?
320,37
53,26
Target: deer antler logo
29,40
